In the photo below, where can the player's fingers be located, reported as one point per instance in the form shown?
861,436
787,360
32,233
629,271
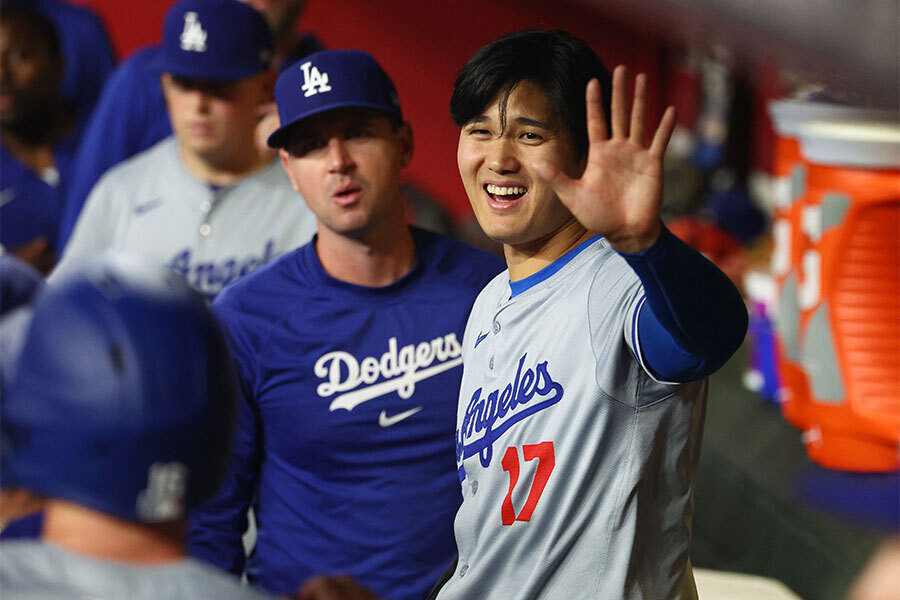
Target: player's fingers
663,133
596,120
619,99
639,110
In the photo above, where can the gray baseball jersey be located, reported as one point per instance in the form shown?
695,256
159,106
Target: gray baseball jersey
36,571
576,465
153,206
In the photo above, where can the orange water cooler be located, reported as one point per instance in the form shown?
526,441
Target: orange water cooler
792,221
848,297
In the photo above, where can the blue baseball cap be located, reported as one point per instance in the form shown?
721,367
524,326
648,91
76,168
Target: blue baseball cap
331,79
214,40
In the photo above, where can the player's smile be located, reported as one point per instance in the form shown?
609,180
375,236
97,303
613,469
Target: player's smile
503,196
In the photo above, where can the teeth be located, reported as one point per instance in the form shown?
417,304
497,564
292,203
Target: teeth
497,190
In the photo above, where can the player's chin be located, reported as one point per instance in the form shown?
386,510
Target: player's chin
501,230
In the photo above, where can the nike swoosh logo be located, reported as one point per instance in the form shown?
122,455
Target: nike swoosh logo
480,338
8,195
385,421
147,206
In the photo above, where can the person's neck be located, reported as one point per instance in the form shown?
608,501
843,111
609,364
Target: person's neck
375,260
225,169
91,533
527,259
31,141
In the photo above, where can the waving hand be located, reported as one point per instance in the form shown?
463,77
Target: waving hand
619,195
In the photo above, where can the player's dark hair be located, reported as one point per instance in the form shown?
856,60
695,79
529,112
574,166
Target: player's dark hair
558,63
40,25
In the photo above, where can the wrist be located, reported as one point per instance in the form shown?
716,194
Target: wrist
634,243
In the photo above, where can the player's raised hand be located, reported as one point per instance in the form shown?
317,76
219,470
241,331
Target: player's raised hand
619,195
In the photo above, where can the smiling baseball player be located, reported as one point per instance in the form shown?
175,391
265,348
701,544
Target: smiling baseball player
348,351
583,392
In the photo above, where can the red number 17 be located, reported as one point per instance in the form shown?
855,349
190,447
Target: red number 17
510,463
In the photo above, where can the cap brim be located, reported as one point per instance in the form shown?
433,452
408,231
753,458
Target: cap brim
205,73
280,136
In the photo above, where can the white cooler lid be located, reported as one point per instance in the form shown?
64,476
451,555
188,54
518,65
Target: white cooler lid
851,143
787,115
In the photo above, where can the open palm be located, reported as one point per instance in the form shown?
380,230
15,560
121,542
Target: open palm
619,195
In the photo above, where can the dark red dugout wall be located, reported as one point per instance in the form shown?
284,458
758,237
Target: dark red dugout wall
422,45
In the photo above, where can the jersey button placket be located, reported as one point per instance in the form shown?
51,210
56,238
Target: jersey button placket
206,209
496,329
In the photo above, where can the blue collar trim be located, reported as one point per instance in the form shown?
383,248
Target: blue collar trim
517,287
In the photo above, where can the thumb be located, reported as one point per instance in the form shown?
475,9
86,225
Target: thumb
561,184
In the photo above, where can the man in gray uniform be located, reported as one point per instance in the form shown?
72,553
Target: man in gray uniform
584,364
120,415
206,201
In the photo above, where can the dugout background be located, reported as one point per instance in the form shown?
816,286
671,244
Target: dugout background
760,506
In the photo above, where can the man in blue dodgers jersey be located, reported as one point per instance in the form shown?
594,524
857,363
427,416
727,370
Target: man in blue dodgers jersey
348,353
205,201
584,390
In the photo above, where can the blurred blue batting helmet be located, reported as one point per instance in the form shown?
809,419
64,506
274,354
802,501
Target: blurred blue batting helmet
123,400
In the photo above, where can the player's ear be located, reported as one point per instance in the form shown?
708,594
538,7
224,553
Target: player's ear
285,156
407,144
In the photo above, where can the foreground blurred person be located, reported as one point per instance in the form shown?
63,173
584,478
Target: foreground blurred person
120,414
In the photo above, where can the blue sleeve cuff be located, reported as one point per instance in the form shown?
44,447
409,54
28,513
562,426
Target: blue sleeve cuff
694,317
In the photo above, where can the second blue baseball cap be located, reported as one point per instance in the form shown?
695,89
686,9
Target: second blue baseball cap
214,40
331,79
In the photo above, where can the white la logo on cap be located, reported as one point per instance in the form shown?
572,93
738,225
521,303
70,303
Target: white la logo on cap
193,38
312,79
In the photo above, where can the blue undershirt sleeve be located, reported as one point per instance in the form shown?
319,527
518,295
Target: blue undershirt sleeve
693,319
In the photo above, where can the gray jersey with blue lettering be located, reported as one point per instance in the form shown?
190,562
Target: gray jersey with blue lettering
36,571
576,465
153,206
